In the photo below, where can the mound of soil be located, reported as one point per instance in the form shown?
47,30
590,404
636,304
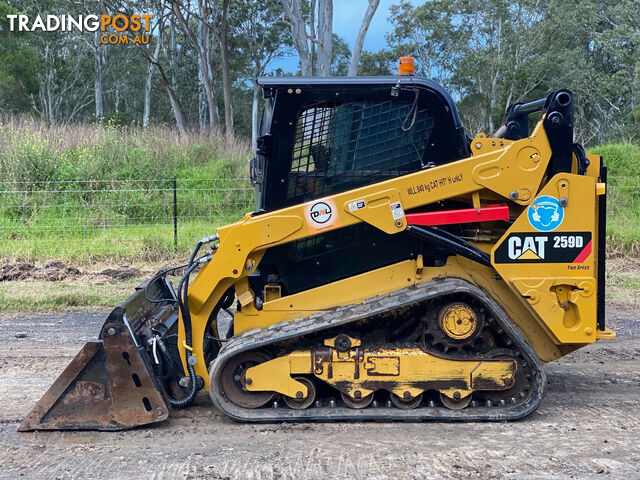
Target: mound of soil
52,271
55,270
16,271
123,272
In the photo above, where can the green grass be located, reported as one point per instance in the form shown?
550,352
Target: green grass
136,243
32,152
623,281
623,196
622,159
85,194
46,296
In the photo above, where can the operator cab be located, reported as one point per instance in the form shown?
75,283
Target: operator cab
321,136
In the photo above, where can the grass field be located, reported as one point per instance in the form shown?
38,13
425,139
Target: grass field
28,296
623,198
84,194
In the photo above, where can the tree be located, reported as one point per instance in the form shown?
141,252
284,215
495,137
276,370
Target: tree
428,33
311,25
159,28
65,74
482,51
222,37
176,107
18,67
261,32
340,56
206,55
595,51
200,37
382,62
313,46
100,57
362,33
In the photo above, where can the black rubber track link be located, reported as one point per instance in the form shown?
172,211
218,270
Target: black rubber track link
259,339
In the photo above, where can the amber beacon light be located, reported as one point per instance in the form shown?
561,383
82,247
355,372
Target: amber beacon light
406,66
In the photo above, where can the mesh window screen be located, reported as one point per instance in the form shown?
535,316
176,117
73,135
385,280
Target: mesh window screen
340,146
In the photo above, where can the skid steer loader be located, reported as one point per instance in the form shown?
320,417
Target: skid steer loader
392,269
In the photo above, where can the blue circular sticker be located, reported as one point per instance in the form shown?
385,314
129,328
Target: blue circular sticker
545,213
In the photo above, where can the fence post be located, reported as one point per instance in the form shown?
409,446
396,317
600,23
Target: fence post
175,215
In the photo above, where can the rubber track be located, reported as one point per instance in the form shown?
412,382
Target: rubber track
261,338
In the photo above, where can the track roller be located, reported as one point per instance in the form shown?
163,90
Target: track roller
302,402
357,403
406,403
455,404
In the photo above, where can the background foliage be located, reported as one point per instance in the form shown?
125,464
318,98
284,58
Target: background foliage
487,53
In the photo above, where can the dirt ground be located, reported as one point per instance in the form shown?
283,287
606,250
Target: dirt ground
587,427
56,270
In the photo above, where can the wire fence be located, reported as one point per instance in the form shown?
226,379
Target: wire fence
116,211
623,195
49,218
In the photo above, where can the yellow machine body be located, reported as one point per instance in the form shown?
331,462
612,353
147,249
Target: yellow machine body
553,304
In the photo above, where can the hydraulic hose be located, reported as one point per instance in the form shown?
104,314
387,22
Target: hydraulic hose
203,241
183,287
182,298
162,273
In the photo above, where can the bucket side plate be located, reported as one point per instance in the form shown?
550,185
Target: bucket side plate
107,386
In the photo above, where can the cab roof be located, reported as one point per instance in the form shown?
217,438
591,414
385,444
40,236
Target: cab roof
348,83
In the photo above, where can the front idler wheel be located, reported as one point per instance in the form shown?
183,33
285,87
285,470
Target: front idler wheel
234,382
519,387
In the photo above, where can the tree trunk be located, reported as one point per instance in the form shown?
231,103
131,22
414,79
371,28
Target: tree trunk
205,65
362,33
493,100
203,111
172,58
201,44
226,80
324,32
166,83
313,51
147,97
99,62
175,103
293,12
46,94
147,87
203,97
49,97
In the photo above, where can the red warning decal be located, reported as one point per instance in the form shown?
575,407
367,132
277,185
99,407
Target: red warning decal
582,256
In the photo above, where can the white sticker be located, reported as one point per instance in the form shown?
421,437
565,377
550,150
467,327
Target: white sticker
396,211
357,205
321,214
